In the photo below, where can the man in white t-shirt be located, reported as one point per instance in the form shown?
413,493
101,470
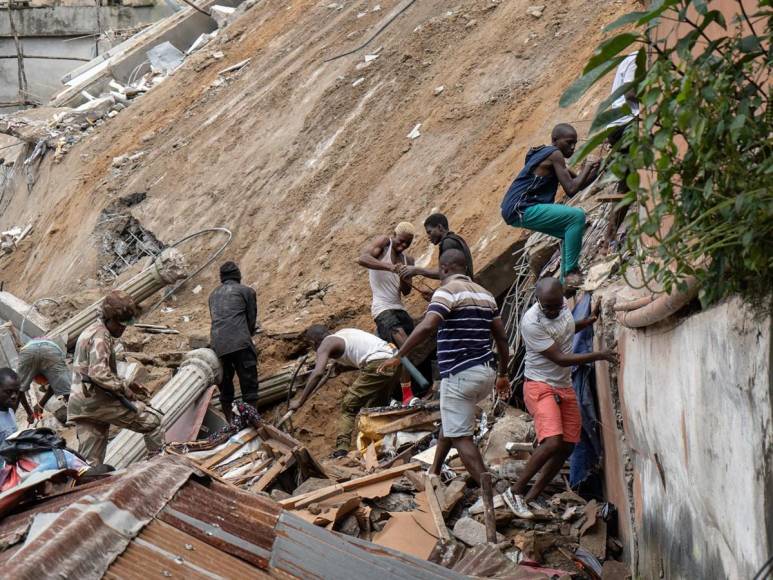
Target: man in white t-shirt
357,349
548,330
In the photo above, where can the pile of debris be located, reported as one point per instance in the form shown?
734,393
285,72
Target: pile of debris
381,493
10,239
59,128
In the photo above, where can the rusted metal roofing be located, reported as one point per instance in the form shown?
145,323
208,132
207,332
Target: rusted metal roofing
166,518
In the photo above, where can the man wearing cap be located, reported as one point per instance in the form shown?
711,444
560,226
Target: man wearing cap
99,397
233,308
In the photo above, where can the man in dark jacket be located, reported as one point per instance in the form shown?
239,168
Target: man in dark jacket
233,308
436,226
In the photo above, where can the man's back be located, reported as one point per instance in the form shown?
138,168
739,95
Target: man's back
233,309
464,337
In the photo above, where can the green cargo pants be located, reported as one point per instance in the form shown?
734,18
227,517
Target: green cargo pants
562,222
370,389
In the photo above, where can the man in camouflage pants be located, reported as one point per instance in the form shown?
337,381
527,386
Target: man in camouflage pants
96,390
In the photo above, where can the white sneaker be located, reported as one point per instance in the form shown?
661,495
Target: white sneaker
517,505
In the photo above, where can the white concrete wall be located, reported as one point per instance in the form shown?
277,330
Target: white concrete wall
697,395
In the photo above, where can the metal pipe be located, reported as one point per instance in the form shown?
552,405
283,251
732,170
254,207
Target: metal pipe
168,268
200,369
634,304
660,308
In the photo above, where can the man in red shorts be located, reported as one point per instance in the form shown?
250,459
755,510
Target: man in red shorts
548,329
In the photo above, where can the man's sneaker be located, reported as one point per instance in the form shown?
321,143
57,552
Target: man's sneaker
538,505
338,453
517,505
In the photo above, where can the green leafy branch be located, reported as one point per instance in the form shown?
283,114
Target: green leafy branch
697,163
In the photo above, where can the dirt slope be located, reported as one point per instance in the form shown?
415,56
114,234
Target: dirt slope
304,166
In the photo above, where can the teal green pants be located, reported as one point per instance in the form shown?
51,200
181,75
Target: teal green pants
562,222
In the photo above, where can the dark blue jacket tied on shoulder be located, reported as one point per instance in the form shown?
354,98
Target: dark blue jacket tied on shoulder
528,189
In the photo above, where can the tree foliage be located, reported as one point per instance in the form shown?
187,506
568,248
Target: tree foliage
698,161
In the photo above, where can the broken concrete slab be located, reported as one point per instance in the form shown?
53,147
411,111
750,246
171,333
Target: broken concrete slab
18,312
223,15
514,425
471,532
9,356
312,484
165,58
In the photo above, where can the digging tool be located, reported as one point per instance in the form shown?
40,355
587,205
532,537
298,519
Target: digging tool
414,372
286,417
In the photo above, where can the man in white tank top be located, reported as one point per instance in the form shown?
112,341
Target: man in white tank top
357,349
384,257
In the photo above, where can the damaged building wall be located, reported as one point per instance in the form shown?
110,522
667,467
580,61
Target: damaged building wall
695,398
56,39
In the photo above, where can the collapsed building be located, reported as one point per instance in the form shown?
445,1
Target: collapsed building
259,126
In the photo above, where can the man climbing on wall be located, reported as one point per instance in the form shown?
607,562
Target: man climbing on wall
530,201
43,360
99,397
385,258
357,349
467,319
548,329
436,226
233,308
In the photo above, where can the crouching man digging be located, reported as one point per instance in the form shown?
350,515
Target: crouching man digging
548,330
466,318
357,349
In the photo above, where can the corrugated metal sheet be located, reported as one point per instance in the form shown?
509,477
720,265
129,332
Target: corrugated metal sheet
165,518
306,551
163,551
91,532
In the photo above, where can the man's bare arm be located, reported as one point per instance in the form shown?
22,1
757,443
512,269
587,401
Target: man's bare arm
503,348
405,283
555,355
584,323
331,347
571,184
370,256
421,333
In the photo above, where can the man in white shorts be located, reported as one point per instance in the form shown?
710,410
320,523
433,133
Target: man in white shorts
466,318
357,349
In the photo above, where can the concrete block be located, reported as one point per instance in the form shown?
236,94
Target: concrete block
9,356
472,532
165,58
222,15
13,310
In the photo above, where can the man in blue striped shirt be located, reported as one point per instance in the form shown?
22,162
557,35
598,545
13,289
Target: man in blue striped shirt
466,317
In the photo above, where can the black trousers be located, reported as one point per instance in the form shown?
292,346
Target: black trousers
243,363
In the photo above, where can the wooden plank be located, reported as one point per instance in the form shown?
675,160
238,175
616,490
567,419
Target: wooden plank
420,419
245,477
331,490
430,482
229,450
610,197
488,508
273,472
